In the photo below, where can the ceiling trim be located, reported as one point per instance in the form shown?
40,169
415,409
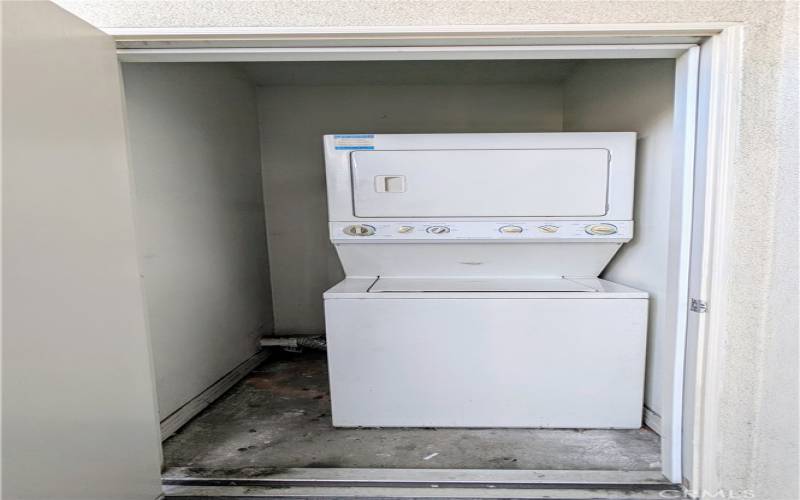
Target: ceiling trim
376,36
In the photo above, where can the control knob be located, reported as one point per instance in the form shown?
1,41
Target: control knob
359,230
511,229
601,229
438,230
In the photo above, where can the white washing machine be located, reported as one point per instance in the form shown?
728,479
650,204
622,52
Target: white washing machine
471,296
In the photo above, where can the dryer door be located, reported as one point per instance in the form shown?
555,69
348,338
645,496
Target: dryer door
481,183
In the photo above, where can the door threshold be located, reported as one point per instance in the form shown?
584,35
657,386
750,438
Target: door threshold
182,482
239,492
386,493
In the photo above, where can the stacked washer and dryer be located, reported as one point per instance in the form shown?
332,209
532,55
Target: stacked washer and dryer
472,296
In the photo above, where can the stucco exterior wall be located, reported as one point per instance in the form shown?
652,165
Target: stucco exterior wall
758,424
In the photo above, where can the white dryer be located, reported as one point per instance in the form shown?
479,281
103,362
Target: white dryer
471,296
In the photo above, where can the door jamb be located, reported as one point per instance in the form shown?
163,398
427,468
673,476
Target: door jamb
438,53
719,148
687,68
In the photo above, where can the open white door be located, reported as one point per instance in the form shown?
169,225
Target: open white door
79,416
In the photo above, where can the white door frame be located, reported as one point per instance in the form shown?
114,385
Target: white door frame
721,67
715,148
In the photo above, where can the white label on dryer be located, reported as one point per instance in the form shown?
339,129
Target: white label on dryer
354,141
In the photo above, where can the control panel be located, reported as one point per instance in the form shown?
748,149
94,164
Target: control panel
482,230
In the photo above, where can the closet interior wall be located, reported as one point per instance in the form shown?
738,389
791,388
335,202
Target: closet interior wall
613,96
195,165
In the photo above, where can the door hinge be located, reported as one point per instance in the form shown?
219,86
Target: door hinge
698,306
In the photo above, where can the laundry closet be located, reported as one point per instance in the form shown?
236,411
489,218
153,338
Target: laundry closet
232,216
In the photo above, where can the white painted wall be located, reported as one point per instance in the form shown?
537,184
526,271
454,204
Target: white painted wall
777,410
616,96
293,121
195,160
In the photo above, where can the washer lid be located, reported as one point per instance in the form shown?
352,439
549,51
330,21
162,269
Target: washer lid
392,284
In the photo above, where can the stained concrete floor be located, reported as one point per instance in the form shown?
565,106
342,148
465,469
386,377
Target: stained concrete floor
279,416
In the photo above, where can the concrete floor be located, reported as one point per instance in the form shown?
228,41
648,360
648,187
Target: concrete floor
279,417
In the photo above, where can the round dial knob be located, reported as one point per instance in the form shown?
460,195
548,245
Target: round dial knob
438,229
359,230
405,229
547,228
601,229
511,229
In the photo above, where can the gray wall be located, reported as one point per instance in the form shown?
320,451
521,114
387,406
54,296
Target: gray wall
293,121
616,96
195,159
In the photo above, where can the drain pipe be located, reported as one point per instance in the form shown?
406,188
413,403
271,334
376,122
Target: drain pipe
296,344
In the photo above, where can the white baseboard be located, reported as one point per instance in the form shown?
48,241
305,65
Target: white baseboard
652,420
179,417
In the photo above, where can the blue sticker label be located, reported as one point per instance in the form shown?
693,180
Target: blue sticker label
354,141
